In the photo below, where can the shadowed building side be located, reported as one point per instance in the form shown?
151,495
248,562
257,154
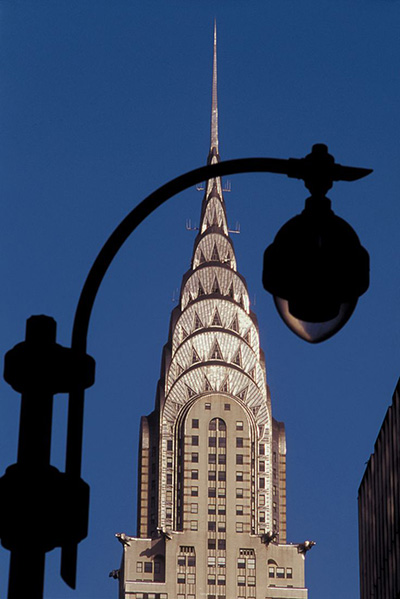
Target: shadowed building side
379,512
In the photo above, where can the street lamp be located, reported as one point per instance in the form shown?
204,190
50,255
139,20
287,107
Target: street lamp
55,510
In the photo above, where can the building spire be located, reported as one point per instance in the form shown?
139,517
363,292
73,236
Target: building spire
214,104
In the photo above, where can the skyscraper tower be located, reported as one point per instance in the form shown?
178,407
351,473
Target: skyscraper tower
212,463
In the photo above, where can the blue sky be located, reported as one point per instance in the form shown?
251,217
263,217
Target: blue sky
102,102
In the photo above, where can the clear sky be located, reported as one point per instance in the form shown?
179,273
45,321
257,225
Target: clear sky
103,101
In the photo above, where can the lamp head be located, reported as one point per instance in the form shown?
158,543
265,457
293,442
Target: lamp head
316,269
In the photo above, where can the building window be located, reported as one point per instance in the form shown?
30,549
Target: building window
181,560
212,441
211,561
212,492
207,406
212,458
222,458
239,492
195,423
221,580
239,510
157,567
262,517
211,526
211,579
221,510
262,449
211,508
211,543
222,475
212,475
221,527
191,561
251,563
262,499
227,407
195,491
239,441
195,474
289,573
262,466
251,581
169,479
239,476
195,439
212,425
148,566
239,526
221,492
169,462
241,580
191,579
239,425
195,456
139,566
280,572
169,445
221,544
239,458
241,563
221,562
181,578
271,571
222,442
194,508
262,483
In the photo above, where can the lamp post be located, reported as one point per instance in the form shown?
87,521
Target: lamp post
51,507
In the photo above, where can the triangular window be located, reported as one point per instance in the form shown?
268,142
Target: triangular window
241,302
228,259
215,220
189,391
247,337
234,326
215,288
202,258
197,322
230,292
207,385
195,356
237,358
255,410
243,393
201,290
225,386
252,373
216,353
179,369
216,321
215,255
184,334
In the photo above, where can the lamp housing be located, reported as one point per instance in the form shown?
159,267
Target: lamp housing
316,269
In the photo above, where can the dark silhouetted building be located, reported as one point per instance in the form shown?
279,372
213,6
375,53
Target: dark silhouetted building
379,512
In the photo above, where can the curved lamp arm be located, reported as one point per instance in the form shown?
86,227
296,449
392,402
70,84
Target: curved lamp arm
313,167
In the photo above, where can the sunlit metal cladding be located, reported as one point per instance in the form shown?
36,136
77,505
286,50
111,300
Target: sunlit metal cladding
316,262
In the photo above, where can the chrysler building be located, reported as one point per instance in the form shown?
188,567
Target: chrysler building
212,460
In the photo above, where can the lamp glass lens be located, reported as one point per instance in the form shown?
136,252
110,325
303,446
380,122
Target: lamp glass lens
314,332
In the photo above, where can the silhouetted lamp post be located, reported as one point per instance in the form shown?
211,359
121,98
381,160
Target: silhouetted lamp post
316,269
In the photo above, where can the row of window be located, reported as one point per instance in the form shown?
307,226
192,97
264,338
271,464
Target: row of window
279,572
183,578
152,596
241,581
189,561
148,567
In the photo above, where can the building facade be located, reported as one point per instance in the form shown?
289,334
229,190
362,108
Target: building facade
212,464
379,512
